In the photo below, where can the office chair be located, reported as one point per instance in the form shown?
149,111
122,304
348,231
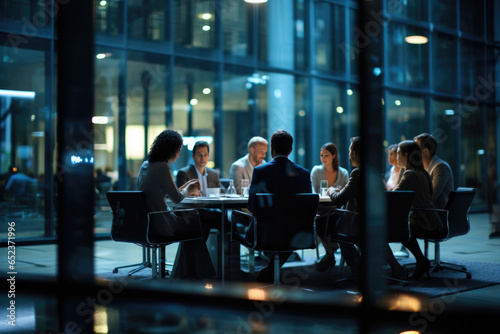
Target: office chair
282,224
132,222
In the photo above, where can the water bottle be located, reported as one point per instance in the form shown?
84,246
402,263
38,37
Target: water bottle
231,190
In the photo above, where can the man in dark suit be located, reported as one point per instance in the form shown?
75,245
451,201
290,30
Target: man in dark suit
282,177
208,177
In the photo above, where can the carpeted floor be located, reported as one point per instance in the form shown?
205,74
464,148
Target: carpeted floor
299,274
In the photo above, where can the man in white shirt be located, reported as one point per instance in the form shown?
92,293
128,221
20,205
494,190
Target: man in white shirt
243,167
208,177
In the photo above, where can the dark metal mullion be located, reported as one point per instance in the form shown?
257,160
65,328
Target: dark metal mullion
218,119
372,213
75,102
122,107
49,140
312,114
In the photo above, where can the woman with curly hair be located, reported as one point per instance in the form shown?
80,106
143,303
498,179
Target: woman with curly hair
156,180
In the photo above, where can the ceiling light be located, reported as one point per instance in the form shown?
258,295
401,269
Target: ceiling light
255,1
416,39
206,28
23,94
206,16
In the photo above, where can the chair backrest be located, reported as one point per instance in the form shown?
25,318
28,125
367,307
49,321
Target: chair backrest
285,222
398,204
130,216
459,202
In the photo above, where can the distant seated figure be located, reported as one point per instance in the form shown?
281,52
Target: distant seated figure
102,181
17,185
395,173
438,169
422,223
243,167
208,177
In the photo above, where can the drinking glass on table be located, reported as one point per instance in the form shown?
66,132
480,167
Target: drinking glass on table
323,188
244,187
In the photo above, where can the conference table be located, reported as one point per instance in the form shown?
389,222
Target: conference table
224,203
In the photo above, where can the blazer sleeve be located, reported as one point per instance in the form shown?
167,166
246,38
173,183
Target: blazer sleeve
349,192
182,178
168,185
441,175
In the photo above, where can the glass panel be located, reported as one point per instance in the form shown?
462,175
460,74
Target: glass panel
473,158
109,19
405,117
331,118
30,18
300,23
472,17
407,63
472,61
194,23
445,123
23,108
411,9
108,66
263,28
236,19
355,43
444,68
329,27
492,140
147,20
194,104
444,13
303,117
243,117
147,81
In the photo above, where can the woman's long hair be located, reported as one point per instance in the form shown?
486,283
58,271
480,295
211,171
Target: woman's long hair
165,146
414,158
330,147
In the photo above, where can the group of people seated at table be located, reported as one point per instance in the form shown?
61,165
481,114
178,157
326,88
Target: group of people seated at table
415,167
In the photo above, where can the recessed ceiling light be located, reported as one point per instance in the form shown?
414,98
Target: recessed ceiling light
416,39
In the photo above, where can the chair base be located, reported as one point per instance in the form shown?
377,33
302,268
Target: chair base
437,266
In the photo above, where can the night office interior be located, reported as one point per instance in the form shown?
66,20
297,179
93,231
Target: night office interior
92,90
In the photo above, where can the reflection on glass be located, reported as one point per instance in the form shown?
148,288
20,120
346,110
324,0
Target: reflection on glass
194,23
405,117
472,154
472,65
147,20
407,63
22,141
444,69
329,27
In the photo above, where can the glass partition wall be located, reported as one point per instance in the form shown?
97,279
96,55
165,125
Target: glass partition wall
225,71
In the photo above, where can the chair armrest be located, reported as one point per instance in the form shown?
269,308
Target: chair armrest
243,213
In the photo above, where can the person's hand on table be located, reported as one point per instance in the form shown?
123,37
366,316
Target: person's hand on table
192,187
332,190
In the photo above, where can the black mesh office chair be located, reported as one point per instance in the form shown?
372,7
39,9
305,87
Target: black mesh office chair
132,222
398,207
455,218
283,224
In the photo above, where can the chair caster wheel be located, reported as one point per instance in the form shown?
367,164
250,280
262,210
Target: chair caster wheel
469,276
115,271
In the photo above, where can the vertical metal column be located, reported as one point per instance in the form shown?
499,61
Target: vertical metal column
74,175
371,131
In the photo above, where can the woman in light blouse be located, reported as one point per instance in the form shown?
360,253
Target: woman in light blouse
337,177
329,169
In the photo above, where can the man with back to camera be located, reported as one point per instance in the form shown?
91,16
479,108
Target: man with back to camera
438,169
243,167
282,177
208,177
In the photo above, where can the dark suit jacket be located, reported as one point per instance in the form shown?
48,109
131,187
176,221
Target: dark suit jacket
279,176
350,193
189,173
